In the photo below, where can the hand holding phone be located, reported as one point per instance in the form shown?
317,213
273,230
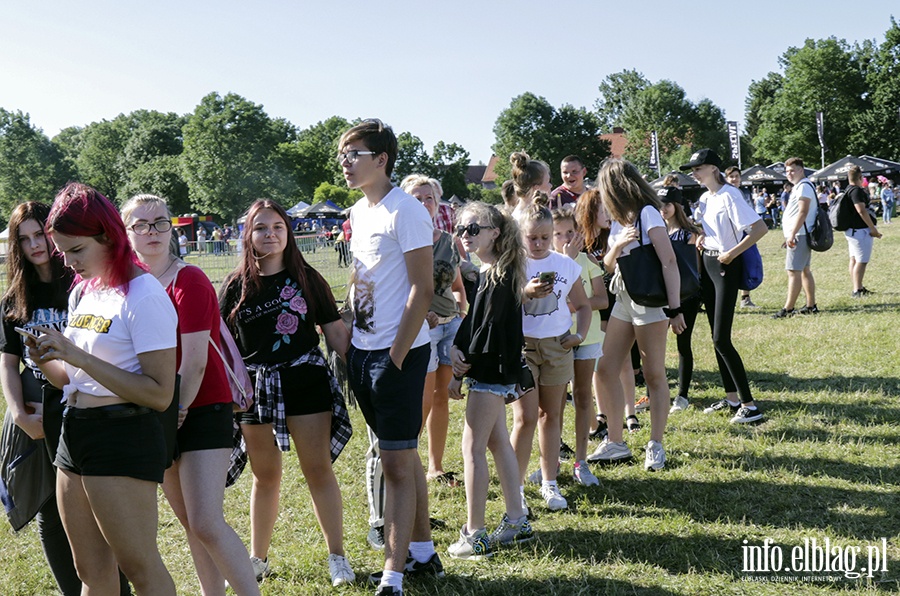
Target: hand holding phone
547,277
26,333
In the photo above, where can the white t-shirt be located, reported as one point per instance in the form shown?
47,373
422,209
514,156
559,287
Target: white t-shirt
650,218
116,328
549,316
803,189
382,233
724,216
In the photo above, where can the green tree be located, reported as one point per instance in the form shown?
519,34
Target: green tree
150,160
451,162
311,157
876,131
531,124
822,75
412,157
230,146
616,92
100,146
31,167
339,195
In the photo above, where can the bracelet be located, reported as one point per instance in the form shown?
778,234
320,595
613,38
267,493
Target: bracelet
580,339
673,312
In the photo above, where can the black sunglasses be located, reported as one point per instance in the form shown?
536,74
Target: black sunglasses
473,229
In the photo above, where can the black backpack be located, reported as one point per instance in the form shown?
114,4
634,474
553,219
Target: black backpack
821,237
837,212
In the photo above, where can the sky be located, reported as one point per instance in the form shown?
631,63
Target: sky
442,71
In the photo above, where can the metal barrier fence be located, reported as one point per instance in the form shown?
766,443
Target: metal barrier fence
219,258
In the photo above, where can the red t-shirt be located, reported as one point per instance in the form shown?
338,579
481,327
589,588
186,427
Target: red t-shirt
198,310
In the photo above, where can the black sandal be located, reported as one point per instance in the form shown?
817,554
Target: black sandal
447,478
601,431
632,424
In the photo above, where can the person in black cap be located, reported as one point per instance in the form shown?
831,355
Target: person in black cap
724,215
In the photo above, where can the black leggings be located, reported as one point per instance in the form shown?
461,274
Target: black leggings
719,286
689,310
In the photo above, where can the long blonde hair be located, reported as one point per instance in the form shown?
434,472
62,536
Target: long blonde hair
508,247
624,191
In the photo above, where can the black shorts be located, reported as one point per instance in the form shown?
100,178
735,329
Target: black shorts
131,446
306,390
390,398
206,427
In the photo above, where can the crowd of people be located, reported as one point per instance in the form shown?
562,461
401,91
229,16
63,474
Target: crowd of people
119,343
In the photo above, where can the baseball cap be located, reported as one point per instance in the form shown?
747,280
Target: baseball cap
670,194
704,156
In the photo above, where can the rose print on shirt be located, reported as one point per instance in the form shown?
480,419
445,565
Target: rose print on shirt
287,322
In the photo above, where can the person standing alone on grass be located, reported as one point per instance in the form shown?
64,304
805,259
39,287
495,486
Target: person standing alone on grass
861,232
391,288
799,216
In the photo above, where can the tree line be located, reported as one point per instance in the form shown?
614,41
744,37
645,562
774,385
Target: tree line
228,151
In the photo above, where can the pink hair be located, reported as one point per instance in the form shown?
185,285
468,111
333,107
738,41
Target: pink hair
80,210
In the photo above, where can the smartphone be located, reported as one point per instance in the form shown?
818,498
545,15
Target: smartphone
547,277
26,332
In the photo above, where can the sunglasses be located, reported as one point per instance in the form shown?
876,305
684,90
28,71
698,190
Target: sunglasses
473,229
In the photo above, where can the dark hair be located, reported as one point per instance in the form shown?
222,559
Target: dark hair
728,171
247,271
376,136
80,210
794,161
22,275
571,159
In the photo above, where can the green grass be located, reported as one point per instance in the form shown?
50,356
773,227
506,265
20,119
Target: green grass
825,464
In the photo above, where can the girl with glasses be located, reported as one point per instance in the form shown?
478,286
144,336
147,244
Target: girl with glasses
195,483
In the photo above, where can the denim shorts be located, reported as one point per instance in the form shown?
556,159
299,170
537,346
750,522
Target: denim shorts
500,389
390,398
588,351
442,337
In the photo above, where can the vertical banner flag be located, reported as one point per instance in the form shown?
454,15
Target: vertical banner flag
735,141
820,127
654,152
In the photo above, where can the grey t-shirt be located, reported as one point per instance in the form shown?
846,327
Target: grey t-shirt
446,263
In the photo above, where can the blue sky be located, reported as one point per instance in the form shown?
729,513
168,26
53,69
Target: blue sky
443,71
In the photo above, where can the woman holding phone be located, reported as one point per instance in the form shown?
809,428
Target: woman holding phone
115,363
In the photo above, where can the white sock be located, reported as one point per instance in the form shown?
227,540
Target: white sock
549,483
421,551
733,403
392,578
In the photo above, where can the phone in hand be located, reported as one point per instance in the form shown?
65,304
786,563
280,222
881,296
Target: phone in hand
26,333
547,277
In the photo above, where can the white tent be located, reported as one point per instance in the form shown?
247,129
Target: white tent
296,209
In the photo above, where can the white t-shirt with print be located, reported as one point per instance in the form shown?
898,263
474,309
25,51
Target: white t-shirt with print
549,316
116,328
804,189
724,216
382,233
650,218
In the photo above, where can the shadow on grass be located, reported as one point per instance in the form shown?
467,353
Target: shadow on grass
458,581
776,382
851,513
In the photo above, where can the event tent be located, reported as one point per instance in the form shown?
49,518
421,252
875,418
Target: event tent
293,211
684,180
761,176
778,166
320,210
838,170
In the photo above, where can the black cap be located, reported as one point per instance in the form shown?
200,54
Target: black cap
704,156
670,194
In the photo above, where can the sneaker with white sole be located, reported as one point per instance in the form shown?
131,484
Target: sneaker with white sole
375,537
583,474
723,405
341,572
472,547
747,303
610,453
679,404
555,501
642,404
655,459
745,415
260,568
511,532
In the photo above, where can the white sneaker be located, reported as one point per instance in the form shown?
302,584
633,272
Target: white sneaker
583,474
341,572
610,453
554,500
656,456
679,404
260,567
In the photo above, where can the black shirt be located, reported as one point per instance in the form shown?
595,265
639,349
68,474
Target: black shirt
856,196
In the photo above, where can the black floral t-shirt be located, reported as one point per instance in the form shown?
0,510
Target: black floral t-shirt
276,325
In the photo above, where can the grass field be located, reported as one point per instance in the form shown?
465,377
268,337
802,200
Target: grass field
825,464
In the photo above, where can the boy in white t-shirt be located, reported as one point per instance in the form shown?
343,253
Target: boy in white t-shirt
390,347
799,215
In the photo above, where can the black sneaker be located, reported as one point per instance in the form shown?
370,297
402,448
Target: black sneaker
376,537
722,406
784,313
639,378
745,415
388,591
565,452
862,292
809,310
432,566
